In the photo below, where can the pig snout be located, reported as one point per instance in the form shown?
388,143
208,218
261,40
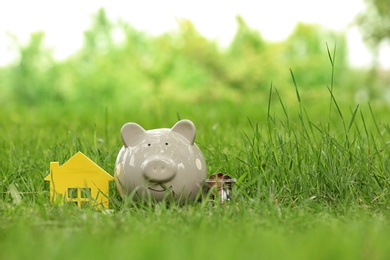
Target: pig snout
159,170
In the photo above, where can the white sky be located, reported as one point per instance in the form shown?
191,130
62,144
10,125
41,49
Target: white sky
65,21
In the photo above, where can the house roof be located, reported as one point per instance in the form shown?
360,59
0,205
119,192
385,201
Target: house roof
78,165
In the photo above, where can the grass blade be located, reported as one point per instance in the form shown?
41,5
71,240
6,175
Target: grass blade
353,117
296,86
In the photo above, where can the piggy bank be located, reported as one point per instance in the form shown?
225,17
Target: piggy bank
160,163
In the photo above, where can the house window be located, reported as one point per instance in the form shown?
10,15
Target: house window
85,193
72,193
80,196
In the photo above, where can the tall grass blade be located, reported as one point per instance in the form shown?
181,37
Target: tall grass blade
335,103
331,57
282,104
296,86
353,117
269,102
375,123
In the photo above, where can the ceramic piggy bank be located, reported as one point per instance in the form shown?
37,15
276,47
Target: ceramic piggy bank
160,163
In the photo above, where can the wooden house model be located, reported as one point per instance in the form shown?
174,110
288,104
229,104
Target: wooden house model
79,180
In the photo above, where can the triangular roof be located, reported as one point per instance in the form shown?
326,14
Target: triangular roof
81,163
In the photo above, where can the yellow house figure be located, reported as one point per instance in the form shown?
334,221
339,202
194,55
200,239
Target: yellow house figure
79,180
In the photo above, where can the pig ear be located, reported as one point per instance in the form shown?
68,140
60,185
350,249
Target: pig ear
131,134
185,128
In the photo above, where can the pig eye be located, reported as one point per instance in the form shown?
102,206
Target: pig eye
149,144
166,143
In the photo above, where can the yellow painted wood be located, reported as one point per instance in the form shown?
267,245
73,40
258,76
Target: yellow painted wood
79,180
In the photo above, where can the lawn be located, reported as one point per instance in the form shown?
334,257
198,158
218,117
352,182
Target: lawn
311,163
312,182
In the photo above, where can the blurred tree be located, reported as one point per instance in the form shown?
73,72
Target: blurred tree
246,66
246,38
305,53
182,65
28,81
98,68
99,36
198,60
374,22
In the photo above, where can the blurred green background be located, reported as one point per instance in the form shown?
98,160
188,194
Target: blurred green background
183,67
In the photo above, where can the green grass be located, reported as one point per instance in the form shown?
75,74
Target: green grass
312,180
307,188
250,229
